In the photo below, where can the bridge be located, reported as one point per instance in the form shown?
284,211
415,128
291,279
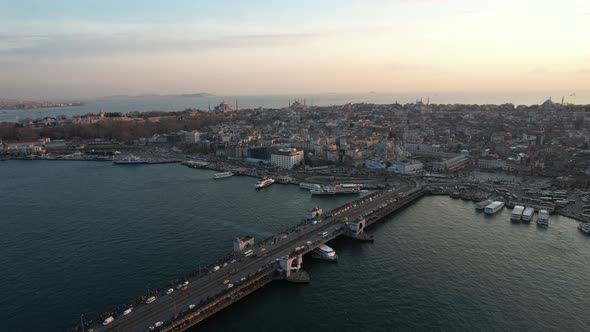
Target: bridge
217,286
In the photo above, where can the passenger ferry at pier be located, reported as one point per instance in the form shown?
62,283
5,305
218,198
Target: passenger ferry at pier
223,175
494,207
264,182
325,252
309,186
517,213
130,160
528,213
482,205
543,218
337,189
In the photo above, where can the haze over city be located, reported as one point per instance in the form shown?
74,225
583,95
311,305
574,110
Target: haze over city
71,49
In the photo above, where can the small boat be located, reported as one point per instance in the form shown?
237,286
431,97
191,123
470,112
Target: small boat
528,213
223,175
494,207
325,252
516,214
543,218
264,182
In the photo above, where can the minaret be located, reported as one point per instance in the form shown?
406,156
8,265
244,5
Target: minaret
209,107
237,105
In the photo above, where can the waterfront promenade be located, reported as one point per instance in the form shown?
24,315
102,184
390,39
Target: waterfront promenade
278,257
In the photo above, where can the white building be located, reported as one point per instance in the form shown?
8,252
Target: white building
286,158
406,166
192,137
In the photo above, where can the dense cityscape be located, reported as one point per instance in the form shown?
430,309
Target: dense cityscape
172,166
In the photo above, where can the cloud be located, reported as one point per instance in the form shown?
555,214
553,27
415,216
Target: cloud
39,46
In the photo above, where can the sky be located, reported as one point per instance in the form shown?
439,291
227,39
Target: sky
85,48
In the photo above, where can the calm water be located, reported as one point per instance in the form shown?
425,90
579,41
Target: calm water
174,103
82,236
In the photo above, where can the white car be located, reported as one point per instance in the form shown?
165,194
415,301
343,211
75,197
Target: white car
191,306
168,292
150,300
230,286
308,243
108,321
243,278
158,324
185,283
127,312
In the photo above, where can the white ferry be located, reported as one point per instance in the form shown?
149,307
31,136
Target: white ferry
517,213
325,252
528,213
130,160
337,189
223,175
264,182
309,186
543,218
494,207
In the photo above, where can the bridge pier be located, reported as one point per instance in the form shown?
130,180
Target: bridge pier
291,267
356,230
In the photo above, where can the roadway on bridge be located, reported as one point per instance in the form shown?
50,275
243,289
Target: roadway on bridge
165,307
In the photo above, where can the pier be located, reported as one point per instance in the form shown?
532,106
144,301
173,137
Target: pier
254,265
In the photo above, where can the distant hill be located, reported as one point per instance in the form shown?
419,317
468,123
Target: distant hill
197,95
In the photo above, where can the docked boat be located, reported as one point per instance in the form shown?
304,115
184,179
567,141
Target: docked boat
130,160
543,218
517,213
339,189
527,214
264,182
309,186
455,194
223,175
494,207
325,252
482,205
584,227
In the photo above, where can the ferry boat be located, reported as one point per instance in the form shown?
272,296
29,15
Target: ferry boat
264,182
494,207
325,252
130,160
517,213
543,218
528,213
223,175
309,186
482,205
337,189
584,227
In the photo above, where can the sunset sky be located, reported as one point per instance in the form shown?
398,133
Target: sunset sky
77,49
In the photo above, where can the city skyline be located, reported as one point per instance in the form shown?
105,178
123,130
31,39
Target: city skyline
64,49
